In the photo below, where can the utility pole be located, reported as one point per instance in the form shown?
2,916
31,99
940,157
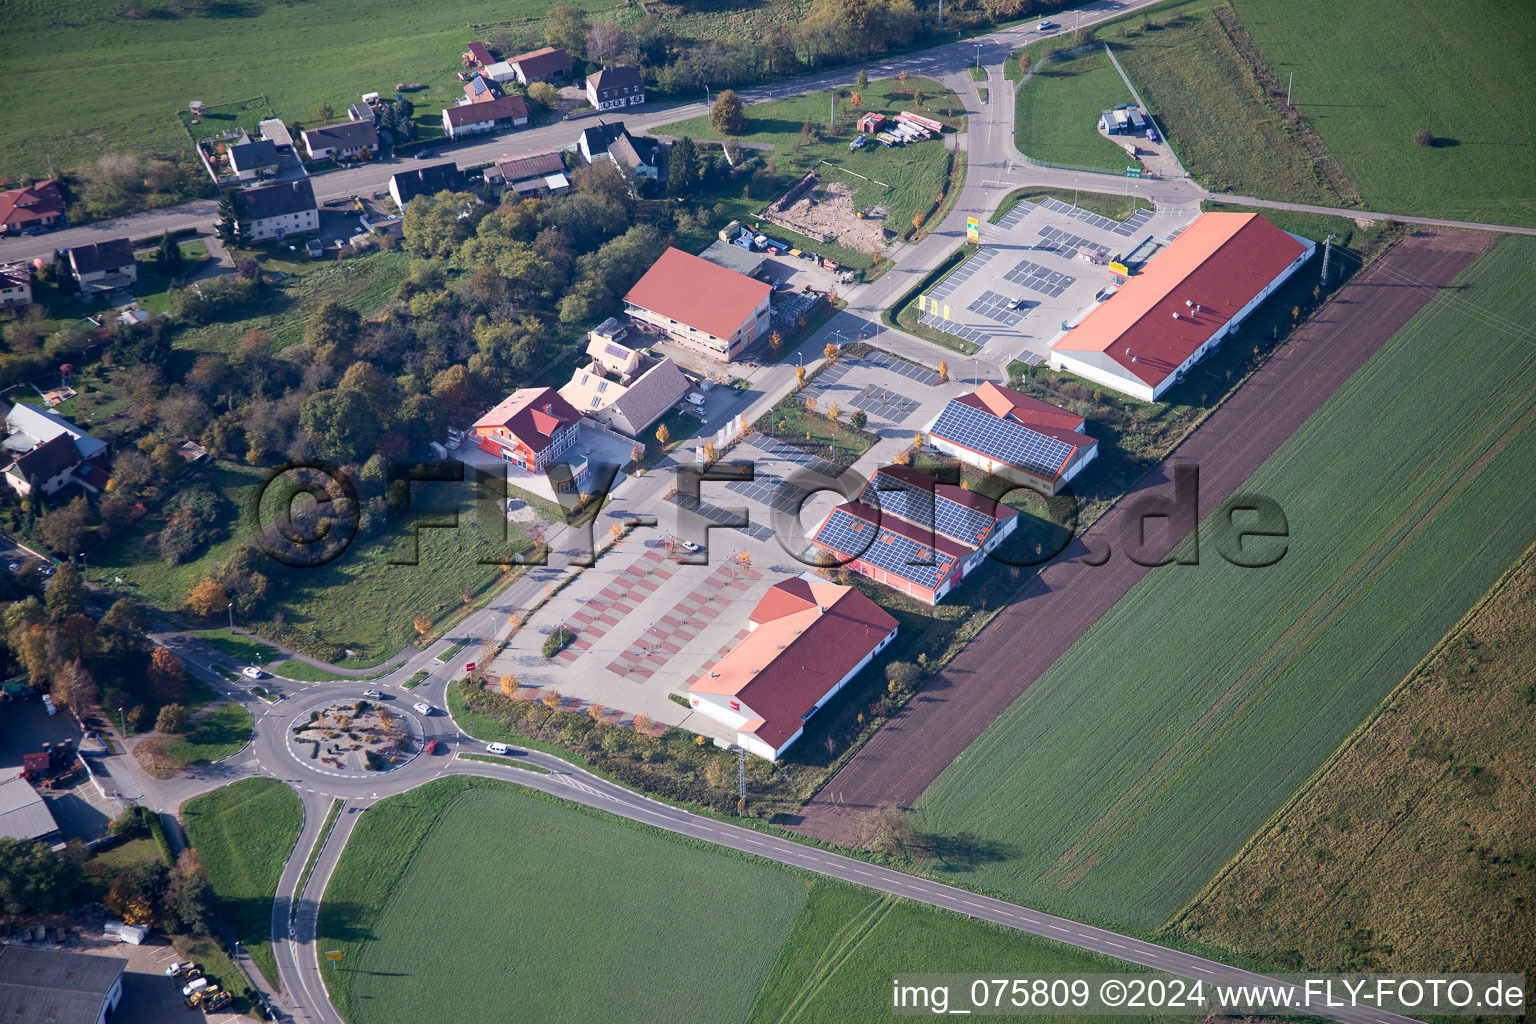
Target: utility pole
1288,88
941,14
832,111
1327,253
741,781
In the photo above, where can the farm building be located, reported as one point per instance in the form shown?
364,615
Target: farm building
477,55
1002,431
103,266
15,285
277,210
807,638
624,389
1188,298
530,174
59,986
31,206
615,88
914,534
24,814
703,307
468,118
549,64
424,181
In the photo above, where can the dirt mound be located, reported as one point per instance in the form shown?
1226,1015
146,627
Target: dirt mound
827,212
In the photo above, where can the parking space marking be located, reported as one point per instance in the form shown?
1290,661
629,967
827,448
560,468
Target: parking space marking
997,307
1044,280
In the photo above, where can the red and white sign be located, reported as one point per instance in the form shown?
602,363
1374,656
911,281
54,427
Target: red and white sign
469,666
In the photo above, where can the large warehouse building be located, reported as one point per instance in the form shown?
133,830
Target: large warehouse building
1183,304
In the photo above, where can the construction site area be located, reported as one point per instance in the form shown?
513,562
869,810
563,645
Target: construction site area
826,210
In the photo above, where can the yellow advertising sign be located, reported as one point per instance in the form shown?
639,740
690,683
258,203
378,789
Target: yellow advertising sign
1119,268
972,230
946,311
920,307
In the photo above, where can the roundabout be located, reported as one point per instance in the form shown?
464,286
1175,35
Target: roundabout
353,737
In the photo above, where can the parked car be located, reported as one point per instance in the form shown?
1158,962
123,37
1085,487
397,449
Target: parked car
49,706
1018,303
374,694
423,708
496,748
46,570
195,985
179,967
426,155
252,672
15,567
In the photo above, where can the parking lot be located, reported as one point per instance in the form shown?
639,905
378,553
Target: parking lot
1041,265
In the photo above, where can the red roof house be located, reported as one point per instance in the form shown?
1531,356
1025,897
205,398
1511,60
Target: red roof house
32,206
1182,305
1006,432
551,62
531,428
702,305
478,54
808,639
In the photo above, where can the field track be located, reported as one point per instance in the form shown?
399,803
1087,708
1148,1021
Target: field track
1062,602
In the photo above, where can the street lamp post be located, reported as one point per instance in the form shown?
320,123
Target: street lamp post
231,609
122,721
978,55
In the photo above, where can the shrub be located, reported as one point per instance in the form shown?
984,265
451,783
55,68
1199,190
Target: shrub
1424,137
557,641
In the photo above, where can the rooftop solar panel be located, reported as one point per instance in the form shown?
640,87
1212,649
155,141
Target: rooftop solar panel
928,509
897,555
1003,440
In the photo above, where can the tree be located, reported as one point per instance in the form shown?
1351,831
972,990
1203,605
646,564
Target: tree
663,435
1424,137
327,113
566,26
332,332
171,720
799,376
168,256
858,419
74,687
65,594
903,675
943,369
227,223
728,115
34,879
189,896
683,169
65,529
833,411
207,599
886,832
167,674
829,352
544,94
509,685
422,624
917,97
551,699
862,82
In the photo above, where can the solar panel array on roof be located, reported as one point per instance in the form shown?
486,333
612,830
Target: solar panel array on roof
897,555
999,439
928,509
617,351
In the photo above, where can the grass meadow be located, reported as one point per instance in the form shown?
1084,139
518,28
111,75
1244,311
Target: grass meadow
216,735
1056,113
565,926
1424,867
144,69
244,832
1140,763
1369,76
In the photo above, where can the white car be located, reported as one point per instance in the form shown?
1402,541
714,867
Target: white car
177,968
252,672
1047,26
195,985
49,706
374,694
423,708
496,748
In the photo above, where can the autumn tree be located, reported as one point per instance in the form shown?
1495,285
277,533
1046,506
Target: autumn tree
74,687
637,452
943,369
509,685
833,410
616,531
775,341
596,712
710,454
422,624
810,404
207,599
551,699
171,720
830,352
917,221
641,722
799,376
728,115
167,674
663,435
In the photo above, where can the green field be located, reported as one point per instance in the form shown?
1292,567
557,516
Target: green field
218,734
244,832
916,173
1370,76
1143,759
1056,113
1424,867
238,646
144,69
565,926
605,942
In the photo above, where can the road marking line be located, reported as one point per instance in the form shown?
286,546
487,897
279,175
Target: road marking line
1057,928
971,904
1115,944
1202,970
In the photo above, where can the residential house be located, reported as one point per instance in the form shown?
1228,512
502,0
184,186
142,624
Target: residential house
341,141
615,88
469,118
15,285
701,306
594,140
31,207
806,640
424,181
363,112
639,157
45,452
912,533
1002,431
531,428
104,266
624,389
531,174
278,210
275,132
252,159
549,64
481,89
60,986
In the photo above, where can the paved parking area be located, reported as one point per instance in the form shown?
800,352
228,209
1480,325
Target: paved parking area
149,997
1050,254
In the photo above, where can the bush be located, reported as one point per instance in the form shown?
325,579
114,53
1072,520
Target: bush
557,641
1424,137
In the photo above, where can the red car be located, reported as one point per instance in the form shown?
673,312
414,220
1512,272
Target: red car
431,747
